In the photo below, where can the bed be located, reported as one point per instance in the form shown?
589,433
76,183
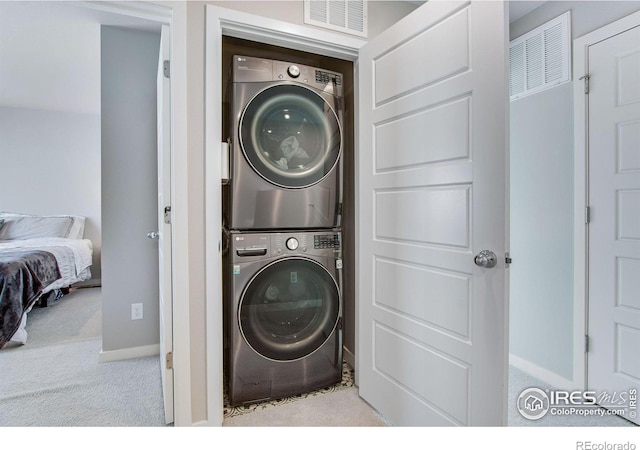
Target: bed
39,255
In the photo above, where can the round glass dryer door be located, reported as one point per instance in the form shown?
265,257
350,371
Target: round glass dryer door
289,309
290,135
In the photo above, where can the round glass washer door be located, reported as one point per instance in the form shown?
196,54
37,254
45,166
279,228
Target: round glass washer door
289,309
291,136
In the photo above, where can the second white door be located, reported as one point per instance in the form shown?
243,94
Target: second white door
613,368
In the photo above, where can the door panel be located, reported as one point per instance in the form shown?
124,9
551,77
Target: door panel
614,231
429,127
433,115
451,58
396,284
401,221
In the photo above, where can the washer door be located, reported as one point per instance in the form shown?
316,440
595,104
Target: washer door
289,309
291,136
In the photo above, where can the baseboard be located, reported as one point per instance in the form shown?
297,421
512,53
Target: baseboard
91,283
129,353
542,374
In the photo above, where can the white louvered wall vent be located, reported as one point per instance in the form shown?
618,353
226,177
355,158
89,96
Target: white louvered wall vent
541,58
347,16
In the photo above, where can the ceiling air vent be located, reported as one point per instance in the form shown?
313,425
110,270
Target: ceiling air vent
347,16
540,59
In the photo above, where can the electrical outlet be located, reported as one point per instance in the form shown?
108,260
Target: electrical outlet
136,311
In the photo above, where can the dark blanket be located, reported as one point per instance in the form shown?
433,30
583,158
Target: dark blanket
23,276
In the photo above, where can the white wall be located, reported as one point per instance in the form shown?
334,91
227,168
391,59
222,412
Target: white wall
49,58
541,305
50,114
129,64
50,164
541,317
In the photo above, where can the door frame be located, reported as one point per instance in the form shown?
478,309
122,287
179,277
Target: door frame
581,188
226,22
174,15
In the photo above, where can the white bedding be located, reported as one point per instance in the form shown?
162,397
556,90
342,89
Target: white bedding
73,256
74,261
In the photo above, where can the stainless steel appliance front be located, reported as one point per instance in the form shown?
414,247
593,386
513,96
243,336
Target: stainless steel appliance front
283,310
286,149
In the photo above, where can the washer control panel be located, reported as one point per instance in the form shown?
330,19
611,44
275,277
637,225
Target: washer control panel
288,243
246,247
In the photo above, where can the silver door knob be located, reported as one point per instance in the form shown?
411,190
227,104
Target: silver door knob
153,235
486,259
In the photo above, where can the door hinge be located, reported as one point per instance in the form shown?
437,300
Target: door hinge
167,214
166,68
586,343
169,360
507,259
586,82
587,214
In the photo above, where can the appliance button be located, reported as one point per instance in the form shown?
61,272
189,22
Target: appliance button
293,71
292,243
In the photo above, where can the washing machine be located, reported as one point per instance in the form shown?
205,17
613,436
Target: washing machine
286,146
283,309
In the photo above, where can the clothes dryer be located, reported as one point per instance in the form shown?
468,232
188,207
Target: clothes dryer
286,149
283,312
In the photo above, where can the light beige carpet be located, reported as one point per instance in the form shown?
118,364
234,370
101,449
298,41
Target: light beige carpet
342,408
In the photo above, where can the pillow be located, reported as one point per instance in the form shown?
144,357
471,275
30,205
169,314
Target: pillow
31,226
36,227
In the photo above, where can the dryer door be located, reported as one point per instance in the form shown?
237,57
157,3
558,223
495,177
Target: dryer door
289,309
291,136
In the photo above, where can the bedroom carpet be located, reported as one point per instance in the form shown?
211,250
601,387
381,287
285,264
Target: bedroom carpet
52,325
56,379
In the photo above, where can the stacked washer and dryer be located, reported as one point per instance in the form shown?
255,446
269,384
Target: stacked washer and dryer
282,218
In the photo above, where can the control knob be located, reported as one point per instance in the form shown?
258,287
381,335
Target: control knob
293,71
292,243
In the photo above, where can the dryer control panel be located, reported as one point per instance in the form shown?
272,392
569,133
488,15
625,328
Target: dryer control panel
247,69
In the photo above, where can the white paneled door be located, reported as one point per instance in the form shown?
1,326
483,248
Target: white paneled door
433,102
613,360
164,225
